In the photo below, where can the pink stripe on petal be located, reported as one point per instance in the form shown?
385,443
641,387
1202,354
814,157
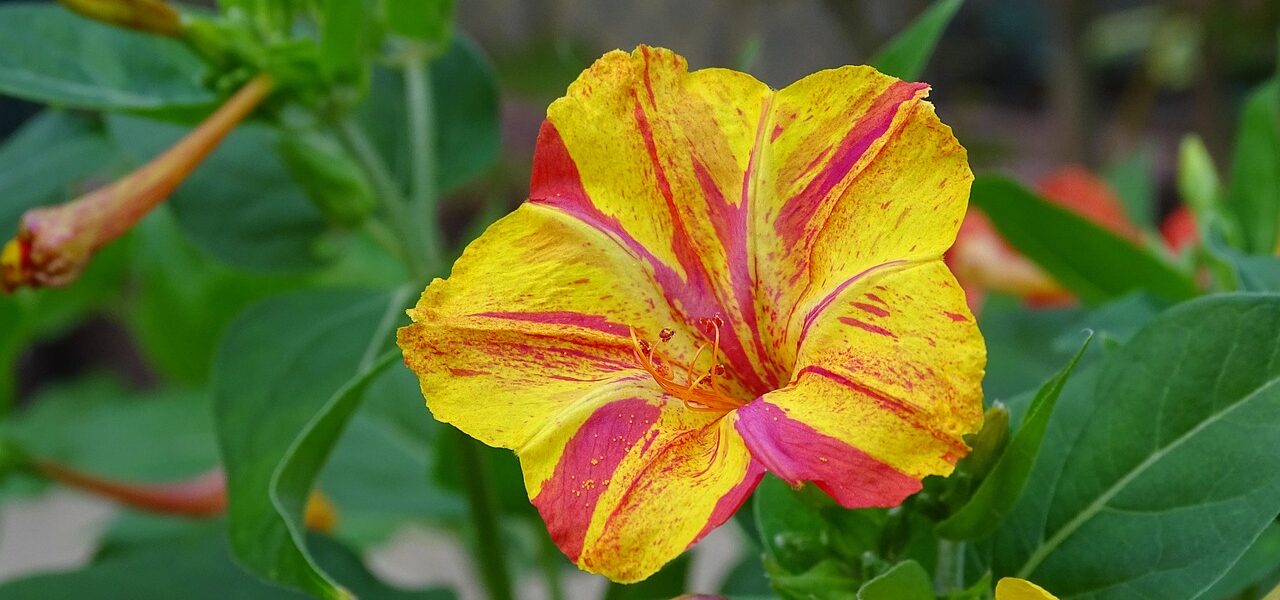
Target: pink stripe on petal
567,501
797,453
732,501
798,210
561,317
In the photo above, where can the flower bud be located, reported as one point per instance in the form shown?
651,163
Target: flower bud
55,243
328,175
151,16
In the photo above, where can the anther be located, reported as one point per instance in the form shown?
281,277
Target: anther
666,334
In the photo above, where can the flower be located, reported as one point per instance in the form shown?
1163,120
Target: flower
983,261
55,243
710,280
1012,588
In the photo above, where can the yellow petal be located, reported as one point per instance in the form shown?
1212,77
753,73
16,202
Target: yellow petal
657,157
1012,588
860,176
536,310
888,379
630,478
527,346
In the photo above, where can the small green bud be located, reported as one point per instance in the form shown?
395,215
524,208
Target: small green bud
328,175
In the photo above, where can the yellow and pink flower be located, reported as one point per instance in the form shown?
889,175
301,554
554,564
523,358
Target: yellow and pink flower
712,279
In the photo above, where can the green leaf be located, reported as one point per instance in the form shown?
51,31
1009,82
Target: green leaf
1002,487
80,425
1021,349
666,583
1154,475
1259,566
828,580
906,55
1254,196
1094,263
343,45
795,534
288,375
188,300
1131,178
904,581
45,160
195,566
49,55
424,20
240,204
465,92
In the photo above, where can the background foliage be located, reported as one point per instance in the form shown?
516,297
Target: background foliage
247,323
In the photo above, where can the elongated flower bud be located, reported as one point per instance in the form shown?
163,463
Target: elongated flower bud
54,243
151,16
204,495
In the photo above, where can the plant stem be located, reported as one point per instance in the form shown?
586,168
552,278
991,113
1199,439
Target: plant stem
950,571
423,205
380,176
484,517
549,560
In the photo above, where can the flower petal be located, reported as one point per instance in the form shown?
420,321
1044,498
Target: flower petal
536,311
888,379
1012,588
859,176
656,157
629,478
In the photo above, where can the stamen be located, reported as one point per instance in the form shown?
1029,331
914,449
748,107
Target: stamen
692,393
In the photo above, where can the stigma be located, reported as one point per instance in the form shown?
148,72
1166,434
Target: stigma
701,390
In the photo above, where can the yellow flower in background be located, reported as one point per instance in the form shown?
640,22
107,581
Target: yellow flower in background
1012,588
712,279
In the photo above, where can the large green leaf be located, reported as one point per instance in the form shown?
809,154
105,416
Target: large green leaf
195,566
1259,566
1155,473
49,55
288,375
82,425
1003,486
1094,263
240,205
1254,194
465,97
906,55
904,581
188,299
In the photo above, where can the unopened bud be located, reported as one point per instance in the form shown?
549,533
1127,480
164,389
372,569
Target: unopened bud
151,16
55,243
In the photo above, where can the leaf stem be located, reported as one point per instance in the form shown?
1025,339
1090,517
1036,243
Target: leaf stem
384,184
950,571
484,517
423,199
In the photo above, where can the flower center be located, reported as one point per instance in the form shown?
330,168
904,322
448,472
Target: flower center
701,391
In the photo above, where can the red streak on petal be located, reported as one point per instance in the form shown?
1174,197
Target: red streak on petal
955,316
871,308
902,410
873,125
796,452
562,317
876,329
567,501
732,500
